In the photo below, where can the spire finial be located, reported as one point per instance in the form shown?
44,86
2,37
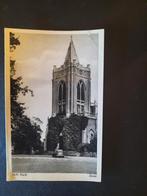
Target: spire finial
71,54
71,37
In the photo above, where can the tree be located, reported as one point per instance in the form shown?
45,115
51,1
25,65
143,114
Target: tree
26,133
55,126
71,129
17,88
26,136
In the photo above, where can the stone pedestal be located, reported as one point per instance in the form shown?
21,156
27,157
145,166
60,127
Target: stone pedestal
59,149
59,153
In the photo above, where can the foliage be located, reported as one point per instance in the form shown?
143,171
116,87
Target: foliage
71,129
55,126
26,134
92,147
93,144
13,41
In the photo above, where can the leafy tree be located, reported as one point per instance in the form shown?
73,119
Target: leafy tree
26,134
71,129
55,126
17,88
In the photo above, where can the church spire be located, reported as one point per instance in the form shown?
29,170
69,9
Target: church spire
71,56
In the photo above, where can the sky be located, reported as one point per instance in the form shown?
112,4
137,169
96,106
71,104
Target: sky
35,58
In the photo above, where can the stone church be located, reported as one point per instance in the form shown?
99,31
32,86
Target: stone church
71,92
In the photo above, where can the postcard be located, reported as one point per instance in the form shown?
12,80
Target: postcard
54,104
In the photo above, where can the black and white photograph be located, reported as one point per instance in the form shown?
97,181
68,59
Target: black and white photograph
54,104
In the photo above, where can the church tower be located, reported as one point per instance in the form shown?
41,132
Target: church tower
71,94
71,86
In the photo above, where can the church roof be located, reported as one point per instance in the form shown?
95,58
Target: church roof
71,56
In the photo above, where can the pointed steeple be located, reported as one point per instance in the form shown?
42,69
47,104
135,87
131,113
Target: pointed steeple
71,56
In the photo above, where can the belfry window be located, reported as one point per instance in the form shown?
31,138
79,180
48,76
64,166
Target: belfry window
62,98
80,97
82,92
78,91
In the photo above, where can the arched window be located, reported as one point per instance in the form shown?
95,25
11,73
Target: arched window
64,91
60,92
91,135
78,91
80,97
82,92
62,97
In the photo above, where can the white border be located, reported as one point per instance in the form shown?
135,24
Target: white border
54,176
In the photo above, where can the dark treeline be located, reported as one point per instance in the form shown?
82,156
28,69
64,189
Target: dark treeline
26,133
